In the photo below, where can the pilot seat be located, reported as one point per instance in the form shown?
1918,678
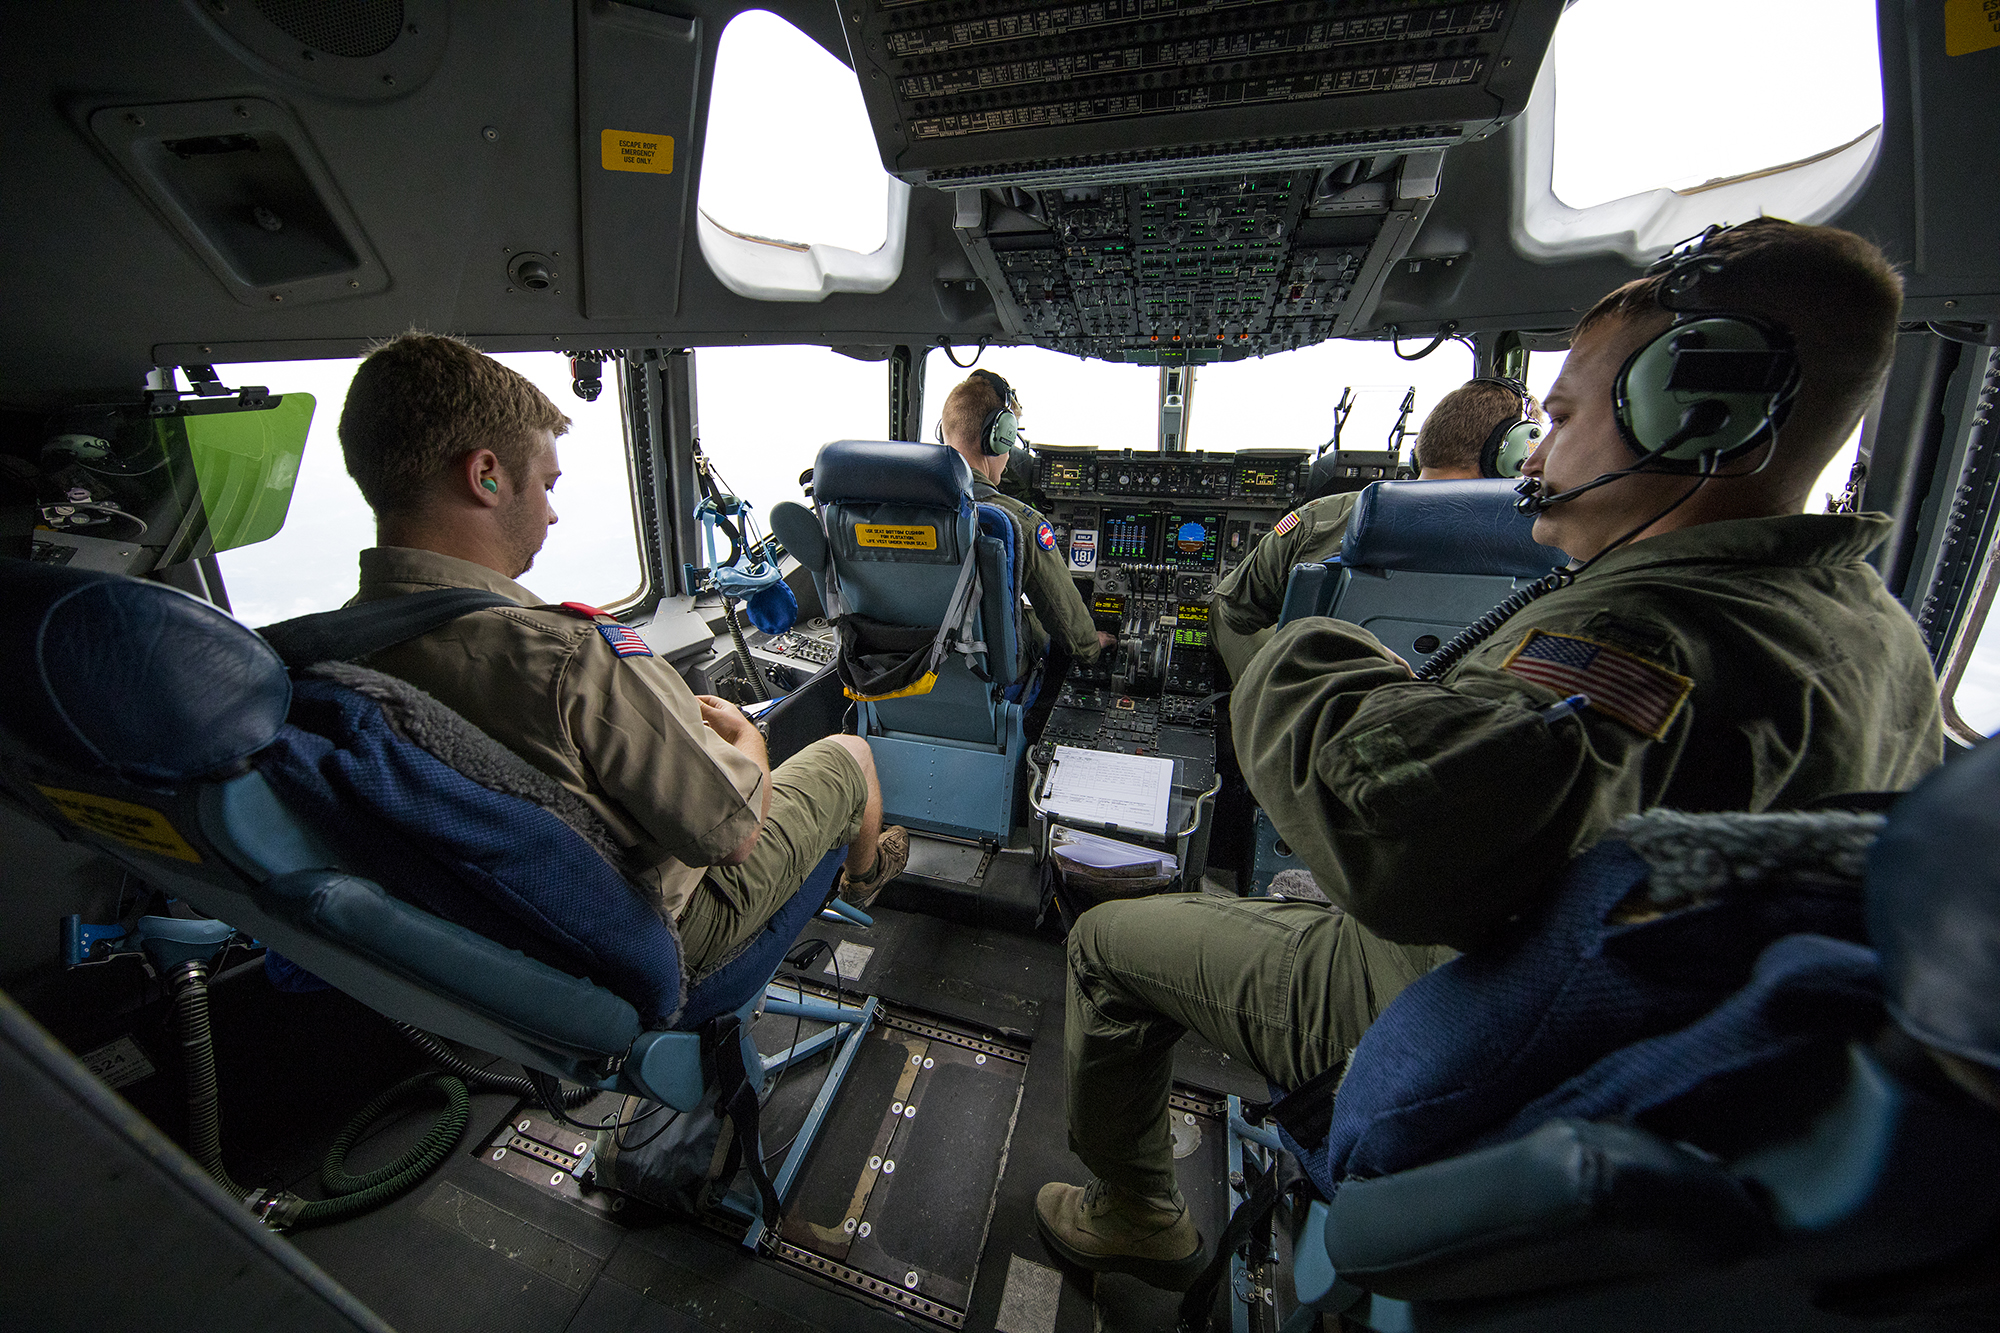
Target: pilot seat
923,584
382,843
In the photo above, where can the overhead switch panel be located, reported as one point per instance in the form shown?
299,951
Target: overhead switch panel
965,92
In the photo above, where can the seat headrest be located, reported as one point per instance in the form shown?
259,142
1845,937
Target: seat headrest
897,472
1934,908
1445,527
103,672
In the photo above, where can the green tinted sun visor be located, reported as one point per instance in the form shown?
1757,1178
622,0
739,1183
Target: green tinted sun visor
244,463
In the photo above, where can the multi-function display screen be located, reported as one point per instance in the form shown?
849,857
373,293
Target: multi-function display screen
1192,629
1062,474
1127,536
1191,539
1254,477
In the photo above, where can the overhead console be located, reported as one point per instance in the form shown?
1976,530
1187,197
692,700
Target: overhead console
1034,93
1174,182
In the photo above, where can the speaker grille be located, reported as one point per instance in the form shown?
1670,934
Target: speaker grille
338,27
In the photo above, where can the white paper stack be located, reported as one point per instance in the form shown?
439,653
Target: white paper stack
1128,792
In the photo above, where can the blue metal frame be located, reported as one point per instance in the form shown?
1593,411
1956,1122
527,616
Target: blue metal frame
850,1023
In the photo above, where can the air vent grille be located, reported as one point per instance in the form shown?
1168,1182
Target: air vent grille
351,28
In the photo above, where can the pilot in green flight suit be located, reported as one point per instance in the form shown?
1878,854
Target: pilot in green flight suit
1738,654
1249,597
980,422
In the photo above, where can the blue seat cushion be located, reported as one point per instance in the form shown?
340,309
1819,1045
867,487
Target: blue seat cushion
1553,1017
496,864
1445,527
890,472
724,989
108,674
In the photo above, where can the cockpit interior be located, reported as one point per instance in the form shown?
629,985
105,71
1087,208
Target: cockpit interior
322,1009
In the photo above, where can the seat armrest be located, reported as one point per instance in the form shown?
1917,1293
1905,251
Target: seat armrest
540,1004
1572,1202
1309,591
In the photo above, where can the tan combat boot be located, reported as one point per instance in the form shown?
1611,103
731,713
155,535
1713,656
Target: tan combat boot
892,857
1108,1230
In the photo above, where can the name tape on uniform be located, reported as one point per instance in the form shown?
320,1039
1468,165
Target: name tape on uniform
138,826
626,151
916,537
1643,695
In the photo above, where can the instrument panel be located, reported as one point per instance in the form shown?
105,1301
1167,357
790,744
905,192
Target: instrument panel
1146,535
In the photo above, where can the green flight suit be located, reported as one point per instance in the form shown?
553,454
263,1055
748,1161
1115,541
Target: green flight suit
1249,597
1052,597
1744,665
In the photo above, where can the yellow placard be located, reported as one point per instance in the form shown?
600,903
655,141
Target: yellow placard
1970,25
626,151
920,538
138,826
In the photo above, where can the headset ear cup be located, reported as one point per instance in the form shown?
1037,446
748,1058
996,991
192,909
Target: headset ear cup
999,434
1649,412
1516,444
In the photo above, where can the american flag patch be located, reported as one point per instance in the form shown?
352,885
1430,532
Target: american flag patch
1287,523
1643,696
624,641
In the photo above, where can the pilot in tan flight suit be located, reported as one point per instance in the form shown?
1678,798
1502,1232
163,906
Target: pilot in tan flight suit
456,455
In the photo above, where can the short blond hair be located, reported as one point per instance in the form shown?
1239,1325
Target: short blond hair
967,406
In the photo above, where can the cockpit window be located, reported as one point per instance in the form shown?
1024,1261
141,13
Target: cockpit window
1287,401
1065,400
765,411
1718,90
1972,668
790,157
592,553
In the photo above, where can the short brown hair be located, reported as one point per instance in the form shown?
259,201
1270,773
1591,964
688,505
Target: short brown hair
968,405
1456,430
420,402
1832,291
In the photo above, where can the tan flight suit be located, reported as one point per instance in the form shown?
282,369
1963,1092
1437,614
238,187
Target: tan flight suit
1249,597
1753,664
625,734
1052,596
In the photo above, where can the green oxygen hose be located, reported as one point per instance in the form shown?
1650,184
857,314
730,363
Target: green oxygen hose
351,1194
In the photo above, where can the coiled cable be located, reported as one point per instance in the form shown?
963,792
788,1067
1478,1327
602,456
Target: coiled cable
1447,657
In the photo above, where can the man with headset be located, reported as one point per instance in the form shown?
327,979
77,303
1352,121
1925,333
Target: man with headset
1483,428
1730,651
982,423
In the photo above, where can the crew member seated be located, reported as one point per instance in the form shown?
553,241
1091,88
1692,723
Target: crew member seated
1470,434
982,422
456,455
1735,653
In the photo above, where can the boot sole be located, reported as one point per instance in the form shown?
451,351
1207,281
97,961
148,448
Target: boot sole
1165,1274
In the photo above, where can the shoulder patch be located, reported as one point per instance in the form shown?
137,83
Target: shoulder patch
624,640
1286,524
584,609
1643,695
1045,536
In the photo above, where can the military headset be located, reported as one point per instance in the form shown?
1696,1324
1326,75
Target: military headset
1511,440
1001,430
1713,386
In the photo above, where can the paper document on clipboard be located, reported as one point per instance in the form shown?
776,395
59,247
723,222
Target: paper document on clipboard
1127,791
